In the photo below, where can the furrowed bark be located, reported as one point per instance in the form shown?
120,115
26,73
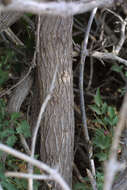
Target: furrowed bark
57,127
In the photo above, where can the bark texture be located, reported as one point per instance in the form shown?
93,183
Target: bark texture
57,127
121,181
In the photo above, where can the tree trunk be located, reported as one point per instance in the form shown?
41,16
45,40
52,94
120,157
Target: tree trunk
57,127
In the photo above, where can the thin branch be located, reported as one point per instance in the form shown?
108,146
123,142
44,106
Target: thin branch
104,56
25,144
13,37
52,172
92,180
28,176
107,56
122,37
81,81
79,176
113,165
55,8
1,187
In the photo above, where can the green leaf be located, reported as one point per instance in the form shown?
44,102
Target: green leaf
36,185
101,141
3,76
24,128
8,186
104,108
111,112
125,73
100,121
117,68
11,140
102,156
106,120
11,164
2,109
21,183
115,120
95,109
99,132
2,171
79,186
100,180
100,176
7,132
97,98
15,116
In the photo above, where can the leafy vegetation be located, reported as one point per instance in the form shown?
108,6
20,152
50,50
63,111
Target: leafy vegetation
106,118
10,128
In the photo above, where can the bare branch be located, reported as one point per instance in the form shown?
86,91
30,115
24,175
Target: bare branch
28,176
55,8
52,172
107,56
122,37
92,180
81,83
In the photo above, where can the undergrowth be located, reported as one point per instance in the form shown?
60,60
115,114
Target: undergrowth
105,119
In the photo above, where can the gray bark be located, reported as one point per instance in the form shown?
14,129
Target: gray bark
121,181
57,127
